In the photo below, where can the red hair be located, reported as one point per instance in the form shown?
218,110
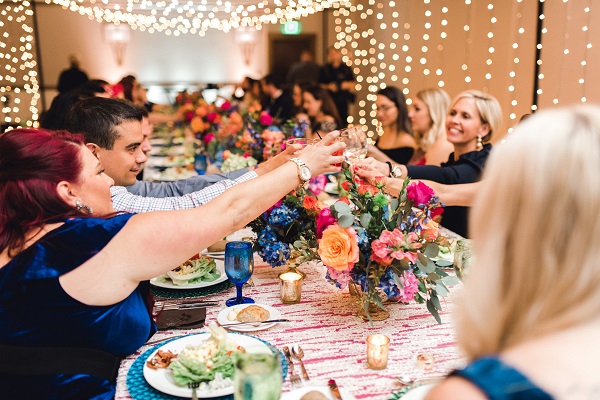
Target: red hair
32,163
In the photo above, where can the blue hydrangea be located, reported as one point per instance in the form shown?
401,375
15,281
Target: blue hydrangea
359,277
332,281
387,284
282,216
275,253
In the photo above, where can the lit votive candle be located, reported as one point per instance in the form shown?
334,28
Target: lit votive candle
291,287
378,347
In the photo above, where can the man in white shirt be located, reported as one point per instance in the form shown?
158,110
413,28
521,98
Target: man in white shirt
113,132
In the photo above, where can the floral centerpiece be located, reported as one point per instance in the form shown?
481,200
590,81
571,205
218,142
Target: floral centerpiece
286,232
384,245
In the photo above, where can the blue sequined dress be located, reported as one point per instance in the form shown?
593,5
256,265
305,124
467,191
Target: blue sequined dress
36,311
500,381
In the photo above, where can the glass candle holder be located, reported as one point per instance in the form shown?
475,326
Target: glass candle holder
378,348
301,141
291,287
462,257
425,361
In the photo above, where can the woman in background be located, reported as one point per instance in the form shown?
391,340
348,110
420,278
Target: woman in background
528,318
397,142
321,111
427,115
472,119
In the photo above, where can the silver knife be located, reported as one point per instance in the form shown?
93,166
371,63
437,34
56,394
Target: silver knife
335,391
255,323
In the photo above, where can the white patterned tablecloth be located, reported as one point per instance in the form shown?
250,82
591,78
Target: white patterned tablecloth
333,337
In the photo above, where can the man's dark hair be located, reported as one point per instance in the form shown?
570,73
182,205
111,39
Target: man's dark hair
274,80
97,119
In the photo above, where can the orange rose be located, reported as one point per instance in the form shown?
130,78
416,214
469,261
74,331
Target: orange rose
197,124
338,247
310,203
430,231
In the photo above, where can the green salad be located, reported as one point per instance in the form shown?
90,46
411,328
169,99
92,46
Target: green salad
203,362
194,270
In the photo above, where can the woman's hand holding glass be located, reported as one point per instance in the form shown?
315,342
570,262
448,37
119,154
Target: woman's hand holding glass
325,155
356,144
239,266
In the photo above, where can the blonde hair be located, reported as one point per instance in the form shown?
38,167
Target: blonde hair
437,101
488,107
536,231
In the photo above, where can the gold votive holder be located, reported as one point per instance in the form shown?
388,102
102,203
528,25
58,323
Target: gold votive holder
425,361
378,348
291,287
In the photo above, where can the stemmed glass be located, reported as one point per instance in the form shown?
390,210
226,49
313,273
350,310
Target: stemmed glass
356,144
239,266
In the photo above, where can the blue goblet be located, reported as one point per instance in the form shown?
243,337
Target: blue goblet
200,163
239,266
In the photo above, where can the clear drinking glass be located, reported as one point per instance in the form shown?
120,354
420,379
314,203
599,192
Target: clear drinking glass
356,143
257,377
239,266
462,258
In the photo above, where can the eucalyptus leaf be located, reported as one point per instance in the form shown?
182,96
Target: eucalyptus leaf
422,259
405,265
444,263
397,280
393,205
299,244
440,272
436,302
365,219
426,267
433,311
341,207
440,289
450,280
432,276
346,220
432,250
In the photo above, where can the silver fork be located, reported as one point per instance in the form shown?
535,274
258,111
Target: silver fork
294,378
194,386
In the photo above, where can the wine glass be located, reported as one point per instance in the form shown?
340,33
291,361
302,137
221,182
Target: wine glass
356,144
239,266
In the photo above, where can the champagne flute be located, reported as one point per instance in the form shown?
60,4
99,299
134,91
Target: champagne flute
239,266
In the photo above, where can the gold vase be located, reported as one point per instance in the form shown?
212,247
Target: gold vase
373,311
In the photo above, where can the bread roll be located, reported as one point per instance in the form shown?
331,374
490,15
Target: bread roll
253,313
314,395
217,247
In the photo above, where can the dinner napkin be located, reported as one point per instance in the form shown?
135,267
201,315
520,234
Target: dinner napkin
188,318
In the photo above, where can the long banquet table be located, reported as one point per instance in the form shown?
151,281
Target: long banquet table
333,336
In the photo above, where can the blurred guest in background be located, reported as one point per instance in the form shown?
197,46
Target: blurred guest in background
73,77
338,79
278,101
321,111
305,72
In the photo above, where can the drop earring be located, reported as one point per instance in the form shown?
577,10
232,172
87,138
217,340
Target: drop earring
479,143
82,207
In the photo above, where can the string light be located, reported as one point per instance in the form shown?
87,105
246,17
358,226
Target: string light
588,46
538,61
515,46
565,52
18,80
491,49
194,16
468,41
440,47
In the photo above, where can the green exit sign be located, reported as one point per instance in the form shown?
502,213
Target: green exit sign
291,28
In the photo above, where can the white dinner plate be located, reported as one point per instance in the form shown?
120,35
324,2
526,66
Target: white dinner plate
170,285
222,318
418,393
162,379
298,393
216,254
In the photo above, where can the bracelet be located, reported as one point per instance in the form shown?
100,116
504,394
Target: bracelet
389,165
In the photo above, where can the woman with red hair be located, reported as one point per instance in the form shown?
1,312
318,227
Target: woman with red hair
73,273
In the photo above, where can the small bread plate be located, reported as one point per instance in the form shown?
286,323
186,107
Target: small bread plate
170,285
225,315
418,392
298,393
162,379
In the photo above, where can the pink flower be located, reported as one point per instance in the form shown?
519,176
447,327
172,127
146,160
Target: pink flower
272,136
411,287
395,245
209,137
226,105
343,278
188,116
265,119
419,193
324,219
317,184
211,117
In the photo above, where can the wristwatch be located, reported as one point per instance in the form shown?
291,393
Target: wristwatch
303,171
395,171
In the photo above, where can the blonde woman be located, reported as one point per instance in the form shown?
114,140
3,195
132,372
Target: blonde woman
529,314
427,115
472,119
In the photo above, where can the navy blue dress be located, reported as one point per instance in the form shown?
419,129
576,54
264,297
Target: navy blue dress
36,311
500,381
